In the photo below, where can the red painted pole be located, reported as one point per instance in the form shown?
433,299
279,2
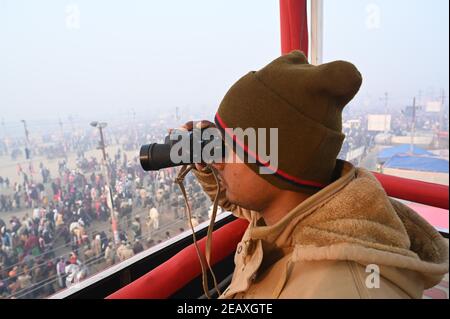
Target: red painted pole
294,26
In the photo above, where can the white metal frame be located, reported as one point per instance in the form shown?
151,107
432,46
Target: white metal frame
316,33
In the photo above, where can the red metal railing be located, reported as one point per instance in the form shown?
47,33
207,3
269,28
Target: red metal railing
415,191
169,277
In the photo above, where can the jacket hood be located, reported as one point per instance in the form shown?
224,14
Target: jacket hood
354,219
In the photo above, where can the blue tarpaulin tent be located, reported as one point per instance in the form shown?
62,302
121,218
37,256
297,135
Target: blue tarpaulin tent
418,163
389,152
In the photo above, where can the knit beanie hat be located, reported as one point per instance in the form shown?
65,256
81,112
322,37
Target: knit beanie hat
304,102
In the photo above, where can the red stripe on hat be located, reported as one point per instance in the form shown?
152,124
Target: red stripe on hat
250,152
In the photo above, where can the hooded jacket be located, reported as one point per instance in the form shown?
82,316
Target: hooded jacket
349,240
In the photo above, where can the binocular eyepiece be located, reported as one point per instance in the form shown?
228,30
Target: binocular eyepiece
182,148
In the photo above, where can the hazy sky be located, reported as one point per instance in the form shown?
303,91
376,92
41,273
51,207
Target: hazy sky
400,46
81,57
149,55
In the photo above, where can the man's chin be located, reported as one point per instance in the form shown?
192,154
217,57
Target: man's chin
233,199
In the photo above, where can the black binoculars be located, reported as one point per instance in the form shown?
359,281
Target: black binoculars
183,148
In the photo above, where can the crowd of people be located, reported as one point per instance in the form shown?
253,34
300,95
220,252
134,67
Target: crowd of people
61,230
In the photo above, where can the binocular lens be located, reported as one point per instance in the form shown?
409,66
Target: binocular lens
155,156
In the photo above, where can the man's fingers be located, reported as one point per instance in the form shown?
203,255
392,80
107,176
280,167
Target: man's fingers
189,126
204,124
184,127
199,167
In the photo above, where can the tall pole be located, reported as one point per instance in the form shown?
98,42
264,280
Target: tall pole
108,188
27,148
441,113
441,119
136,142
27,139
105,169
413,127
27,134
316,32
419,100
102,144
386,99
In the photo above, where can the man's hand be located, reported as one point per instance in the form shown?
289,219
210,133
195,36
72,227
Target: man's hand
189,126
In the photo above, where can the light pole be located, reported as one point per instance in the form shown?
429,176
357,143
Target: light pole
27,149
413,127
110,201
27,140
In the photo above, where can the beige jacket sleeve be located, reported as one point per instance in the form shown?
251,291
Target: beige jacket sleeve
208,183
